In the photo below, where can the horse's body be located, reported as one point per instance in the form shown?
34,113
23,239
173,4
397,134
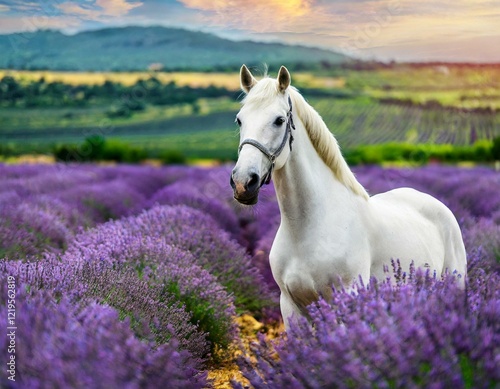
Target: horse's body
331,231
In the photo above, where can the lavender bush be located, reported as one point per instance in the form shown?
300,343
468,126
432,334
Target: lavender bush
424,333
63,345
64,199
147,306
186,193
468,192
160,263
27,229
195,232
104,200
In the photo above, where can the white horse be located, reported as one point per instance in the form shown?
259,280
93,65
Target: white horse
332,232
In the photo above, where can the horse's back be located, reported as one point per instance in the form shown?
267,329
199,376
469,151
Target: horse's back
415,227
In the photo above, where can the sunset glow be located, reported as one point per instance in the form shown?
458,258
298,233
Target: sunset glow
449,30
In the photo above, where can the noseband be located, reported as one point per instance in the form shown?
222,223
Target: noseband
276,153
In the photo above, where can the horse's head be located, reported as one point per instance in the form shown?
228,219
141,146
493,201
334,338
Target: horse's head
266,124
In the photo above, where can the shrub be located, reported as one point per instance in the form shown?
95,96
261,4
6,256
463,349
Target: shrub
495,149
172,157
63,345
28,229
126,109
195,232
423,333
96,148
457,188
483,234
154,313
166,269
150,308
213,249
102,201
191,194
420,154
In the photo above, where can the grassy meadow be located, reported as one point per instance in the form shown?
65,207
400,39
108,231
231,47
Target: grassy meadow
444,105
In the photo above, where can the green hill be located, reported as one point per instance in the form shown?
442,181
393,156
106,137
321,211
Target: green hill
136,48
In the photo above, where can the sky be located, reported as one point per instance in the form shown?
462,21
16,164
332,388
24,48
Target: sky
402,30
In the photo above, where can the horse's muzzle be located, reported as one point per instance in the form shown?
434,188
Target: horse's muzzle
246,190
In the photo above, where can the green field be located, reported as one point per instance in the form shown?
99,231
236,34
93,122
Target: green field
355,122
432,105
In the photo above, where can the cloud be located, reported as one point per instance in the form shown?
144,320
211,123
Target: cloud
475,49
70,16
100,9
16,24
253,15
117,7
291,7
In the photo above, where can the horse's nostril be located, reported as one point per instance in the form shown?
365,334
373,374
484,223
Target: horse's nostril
253,183
231,181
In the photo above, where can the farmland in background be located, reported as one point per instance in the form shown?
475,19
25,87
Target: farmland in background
433,104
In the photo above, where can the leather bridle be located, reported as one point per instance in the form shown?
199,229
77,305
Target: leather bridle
272,156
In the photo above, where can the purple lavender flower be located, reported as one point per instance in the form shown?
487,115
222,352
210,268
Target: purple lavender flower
59,344
144,179
485,234
28,229
423,333
468,192
104,200
166,276
160,263
196,232
149,307
186,193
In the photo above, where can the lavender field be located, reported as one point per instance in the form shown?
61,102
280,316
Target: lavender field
132,276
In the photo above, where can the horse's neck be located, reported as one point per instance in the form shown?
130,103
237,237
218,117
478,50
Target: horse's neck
307,189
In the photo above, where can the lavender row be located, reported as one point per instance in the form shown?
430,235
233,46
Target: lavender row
67,345
426,333
168,258
166,269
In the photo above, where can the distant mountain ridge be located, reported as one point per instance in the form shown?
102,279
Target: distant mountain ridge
138,48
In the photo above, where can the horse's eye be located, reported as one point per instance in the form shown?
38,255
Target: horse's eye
238,121
279,121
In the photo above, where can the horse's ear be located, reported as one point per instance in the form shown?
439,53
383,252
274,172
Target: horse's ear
247,81
284,79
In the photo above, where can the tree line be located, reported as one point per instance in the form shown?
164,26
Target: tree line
40,93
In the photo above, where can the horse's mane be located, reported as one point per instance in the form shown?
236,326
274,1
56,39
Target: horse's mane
322,139
325,143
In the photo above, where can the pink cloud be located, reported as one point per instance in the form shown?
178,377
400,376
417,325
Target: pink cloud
253,15
32,23
103,9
